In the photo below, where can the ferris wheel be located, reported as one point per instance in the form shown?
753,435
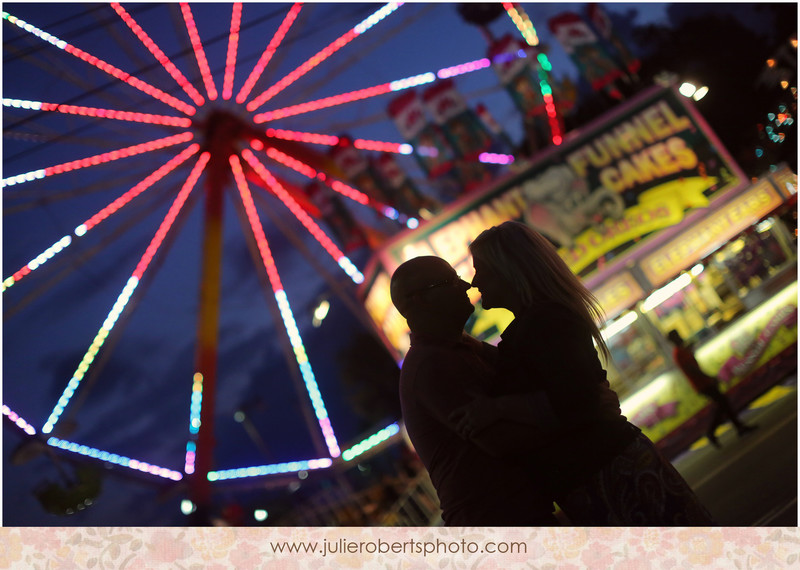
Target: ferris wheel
136,132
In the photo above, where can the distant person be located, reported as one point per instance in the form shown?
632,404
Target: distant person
707,386
600,468
443,370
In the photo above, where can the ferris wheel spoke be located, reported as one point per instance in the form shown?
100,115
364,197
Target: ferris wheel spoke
98,159
382,89
162,58
101,215
191,180
374,91
313,138
309,415
336,185
302,216
18,420
164,240
383,146
199,52
285,309
114,458
102,65
333,140
125,295
265,58
324,103
68,75
99,113
353,60
272,469
65,266
313,259
322,55
233,45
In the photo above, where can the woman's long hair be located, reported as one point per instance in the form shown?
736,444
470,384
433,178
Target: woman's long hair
532,266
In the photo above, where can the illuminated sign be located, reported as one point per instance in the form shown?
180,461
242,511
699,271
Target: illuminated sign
703,238
753,339
606,192
618,293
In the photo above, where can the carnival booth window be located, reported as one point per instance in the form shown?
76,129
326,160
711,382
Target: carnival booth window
635,355
696,304
753,256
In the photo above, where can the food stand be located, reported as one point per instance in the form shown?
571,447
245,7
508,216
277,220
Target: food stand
650,211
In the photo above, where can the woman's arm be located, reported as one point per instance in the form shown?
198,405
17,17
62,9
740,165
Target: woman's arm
530,409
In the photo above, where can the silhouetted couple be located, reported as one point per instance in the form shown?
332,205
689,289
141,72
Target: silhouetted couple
505,431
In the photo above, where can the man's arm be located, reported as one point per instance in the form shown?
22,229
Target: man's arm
509,439
531,408
457,385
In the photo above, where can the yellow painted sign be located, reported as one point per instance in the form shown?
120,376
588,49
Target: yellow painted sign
701,239
618,293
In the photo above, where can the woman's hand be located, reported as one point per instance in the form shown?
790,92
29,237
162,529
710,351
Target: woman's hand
475,417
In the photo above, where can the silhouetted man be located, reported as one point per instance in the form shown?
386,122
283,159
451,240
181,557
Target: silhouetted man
444,370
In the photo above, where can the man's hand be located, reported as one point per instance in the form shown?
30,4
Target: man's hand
475,417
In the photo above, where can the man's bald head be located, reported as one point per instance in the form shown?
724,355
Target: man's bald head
431,296
416,275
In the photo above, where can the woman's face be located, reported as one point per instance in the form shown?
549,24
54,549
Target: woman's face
494,290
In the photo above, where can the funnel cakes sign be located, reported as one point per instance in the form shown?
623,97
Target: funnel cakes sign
611,188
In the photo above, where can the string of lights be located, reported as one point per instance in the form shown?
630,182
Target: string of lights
199,52
269,51
99,113
101,215
162,58
322,55
233,45
124,296
114,458
18,420
273,469
368,443
98,159
285,309
341,259
102,65
525,26
338,186
374,91
333,140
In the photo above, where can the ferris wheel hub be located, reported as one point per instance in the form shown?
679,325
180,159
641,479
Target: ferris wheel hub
223,132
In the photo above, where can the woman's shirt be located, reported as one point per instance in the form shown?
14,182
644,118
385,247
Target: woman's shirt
549,348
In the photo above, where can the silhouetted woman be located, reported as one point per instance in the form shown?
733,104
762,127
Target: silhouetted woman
600,468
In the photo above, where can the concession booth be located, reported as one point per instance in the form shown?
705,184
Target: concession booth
651,212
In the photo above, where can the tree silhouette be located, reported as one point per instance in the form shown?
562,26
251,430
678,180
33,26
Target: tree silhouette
717,50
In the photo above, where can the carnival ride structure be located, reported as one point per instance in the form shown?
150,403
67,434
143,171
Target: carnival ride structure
160,122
